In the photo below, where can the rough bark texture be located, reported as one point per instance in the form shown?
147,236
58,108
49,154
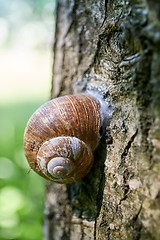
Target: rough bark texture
113,48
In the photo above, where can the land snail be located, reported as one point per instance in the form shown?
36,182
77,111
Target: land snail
61,136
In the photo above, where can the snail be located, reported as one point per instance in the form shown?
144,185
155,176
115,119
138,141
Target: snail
61,136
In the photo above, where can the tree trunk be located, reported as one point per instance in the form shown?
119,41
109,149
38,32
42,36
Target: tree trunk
112,48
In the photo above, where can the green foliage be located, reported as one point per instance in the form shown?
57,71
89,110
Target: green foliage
24,21
21,194
26,35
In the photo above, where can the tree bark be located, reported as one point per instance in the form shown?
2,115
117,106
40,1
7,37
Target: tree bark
112,48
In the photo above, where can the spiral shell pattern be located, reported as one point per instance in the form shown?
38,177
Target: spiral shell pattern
64,129
64,159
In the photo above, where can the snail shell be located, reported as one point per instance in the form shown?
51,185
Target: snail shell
61,136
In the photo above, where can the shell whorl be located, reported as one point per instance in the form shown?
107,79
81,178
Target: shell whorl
67,118
65,159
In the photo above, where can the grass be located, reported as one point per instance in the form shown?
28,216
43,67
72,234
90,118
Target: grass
21,194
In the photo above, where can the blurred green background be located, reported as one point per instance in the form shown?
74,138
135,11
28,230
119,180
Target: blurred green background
26,40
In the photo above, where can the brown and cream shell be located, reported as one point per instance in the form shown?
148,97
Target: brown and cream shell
61,136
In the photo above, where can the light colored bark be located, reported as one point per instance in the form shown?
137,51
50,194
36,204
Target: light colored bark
113,48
